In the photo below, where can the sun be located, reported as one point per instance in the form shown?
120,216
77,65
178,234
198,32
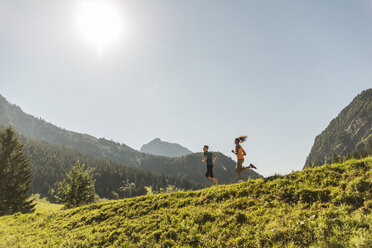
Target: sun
99,22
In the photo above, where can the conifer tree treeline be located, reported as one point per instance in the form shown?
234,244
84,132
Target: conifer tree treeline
15,175
50,163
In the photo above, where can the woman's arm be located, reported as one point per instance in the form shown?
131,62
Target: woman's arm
244,152
236,150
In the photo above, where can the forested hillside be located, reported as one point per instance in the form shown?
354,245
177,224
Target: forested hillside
38,129
49,164
348,134
326,206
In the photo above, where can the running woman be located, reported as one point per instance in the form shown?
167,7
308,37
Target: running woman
210,158
240,153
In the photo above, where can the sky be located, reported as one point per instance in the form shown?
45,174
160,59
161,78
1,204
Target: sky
194,72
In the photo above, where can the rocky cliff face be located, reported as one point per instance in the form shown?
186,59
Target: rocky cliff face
350,132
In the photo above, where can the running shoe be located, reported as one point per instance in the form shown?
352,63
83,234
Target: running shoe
252,166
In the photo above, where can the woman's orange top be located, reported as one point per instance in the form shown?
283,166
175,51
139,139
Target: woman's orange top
239,151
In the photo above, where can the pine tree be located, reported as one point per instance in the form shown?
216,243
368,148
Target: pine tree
77,188
15,175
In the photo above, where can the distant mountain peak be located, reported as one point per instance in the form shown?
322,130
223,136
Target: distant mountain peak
163,148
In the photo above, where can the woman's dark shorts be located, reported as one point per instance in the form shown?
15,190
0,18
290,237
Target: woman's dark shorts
209,171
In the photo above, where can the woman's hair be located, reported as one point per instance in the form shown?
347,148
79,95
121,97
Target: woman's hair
242,138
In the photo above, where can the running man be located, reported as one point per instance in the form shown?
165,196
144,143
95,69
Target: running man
240,153
210,158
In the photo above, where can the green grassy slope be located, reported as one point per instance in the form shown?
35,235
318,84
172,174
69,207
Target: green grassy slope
327,206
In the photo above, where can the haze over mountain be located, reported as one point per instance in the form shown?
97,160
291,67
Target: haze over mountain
350,132
163,148
189,167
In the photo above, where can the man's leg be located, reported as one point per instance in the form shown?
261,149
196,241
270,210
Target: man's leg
214,180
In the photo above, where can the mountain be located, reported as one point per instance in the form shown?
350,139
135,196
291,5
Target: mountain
188,167
163,148
37,128
350,132
309,208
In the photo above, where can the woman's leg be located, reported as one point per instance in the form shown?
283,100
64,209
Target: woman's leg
241,166
237,169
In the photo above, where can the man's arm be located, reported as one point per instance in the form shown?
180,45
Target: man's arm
205,159
214,158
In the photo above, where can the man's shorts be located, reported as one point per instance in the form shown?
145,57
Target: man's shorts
209,171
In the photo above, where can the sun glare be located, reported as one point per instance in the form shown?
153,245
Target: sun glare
99,22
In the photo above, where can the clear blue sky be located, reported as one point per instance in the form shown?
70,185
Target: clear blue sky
193,72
